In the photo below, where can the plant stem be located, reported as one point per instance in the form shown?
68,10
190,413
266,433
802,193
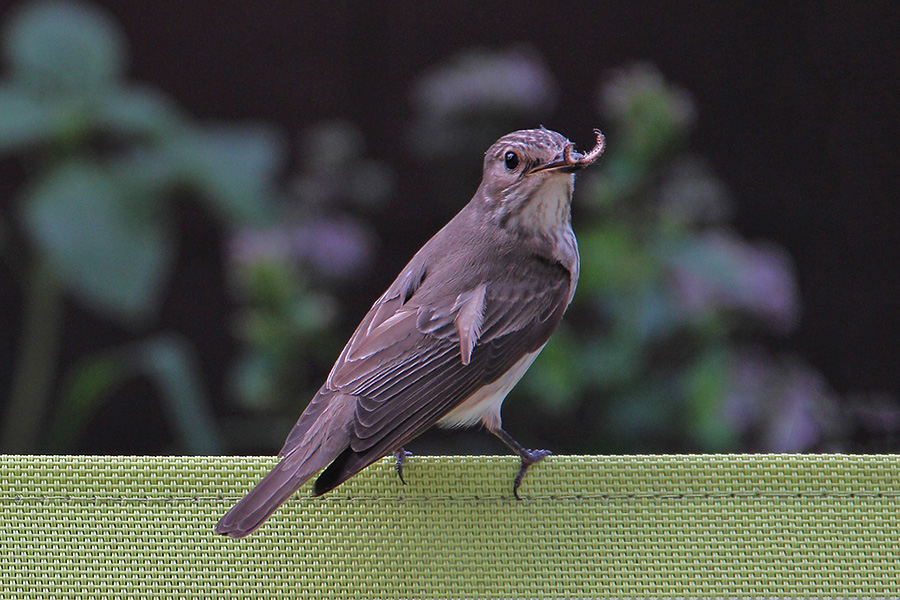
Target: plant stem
33,379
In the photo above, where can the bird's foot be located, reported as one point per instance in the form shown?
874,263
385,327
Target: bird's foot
529,457
401,455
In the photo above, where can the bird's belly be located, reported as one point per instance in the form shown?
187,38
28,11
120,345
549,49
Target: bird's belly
484,405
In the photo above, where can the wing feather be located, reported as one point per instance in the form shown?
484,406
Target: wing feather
457,343
469,309
436,336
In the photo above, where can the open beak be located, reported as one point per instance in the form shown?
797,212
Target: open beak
573,161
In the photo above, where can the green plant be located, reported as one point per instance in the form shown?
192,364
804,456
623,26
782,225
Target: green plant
288,278
103,159
663,347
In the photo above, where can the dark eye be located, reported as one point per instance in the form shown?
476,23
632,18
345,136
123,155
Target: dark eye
511,161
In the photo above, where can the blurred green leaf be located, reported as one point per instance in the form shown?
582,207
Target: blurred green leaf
89,385
253,378
147,168
27,120
619,179
137,110
655,129
613,260
267,283
552,377
611,361
23,120
169,363
63,48
707,381
311,313
106,239
652,115
232,168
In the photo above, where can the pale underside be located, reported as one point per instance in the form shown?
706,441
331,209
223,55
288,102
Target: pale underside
484,405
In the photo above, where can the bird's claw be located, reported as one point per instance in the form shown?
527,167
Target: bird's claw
529,457
401,455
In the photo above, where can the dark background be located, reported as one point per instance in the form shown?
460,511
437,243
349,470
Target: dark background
797,113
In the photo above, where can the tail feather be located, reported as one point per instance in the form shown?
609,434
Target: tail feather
252,510
323,441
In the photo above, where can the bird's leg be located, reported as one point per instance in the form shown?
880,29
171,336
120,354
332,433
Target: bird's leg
401,455
529,457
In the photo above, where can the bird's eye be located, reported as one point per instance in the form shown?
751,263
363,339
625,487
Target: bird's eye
511,161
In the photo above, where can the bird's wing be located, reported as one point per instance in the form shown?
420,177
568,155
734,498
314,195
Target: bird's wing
423,349
420,353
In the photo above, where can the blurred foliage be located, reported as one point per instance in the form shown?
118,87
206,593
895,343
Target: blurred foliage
475,98
169,363
663,349
671,300
464,105
103,158
288,278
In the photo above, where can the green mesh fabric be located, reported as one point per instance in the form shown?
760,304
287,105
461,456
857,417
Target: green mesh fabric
589,526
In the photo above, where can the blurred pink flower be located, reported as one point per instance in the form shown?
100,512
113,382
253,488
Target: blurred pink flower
332,246
783,403
721,271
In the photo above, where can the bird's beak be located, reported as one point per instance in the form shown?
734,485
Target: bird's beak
560,164
570,161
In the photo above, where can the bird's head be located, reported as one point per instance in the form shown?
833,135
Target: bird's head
528,178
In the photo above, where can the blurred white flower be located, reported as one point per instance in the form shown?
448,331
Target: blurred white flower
478,81
477,96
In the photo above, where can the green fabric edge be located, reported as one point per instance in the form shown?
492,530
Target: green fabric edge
588,526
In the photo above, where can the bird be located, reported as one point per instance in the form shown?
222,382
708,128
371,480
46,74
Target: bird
453,333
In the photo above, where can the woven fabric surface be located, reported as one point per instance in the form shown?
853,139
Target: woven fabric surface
588,526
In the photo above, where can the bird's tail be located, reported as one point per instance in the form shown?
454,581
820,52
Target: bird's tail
323,441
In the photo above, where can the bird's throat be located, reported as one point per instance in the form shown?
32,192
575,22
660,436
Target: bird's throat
548,209
546,216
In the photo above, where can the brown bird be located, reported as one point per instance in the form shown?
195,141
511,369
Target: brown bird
451,336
